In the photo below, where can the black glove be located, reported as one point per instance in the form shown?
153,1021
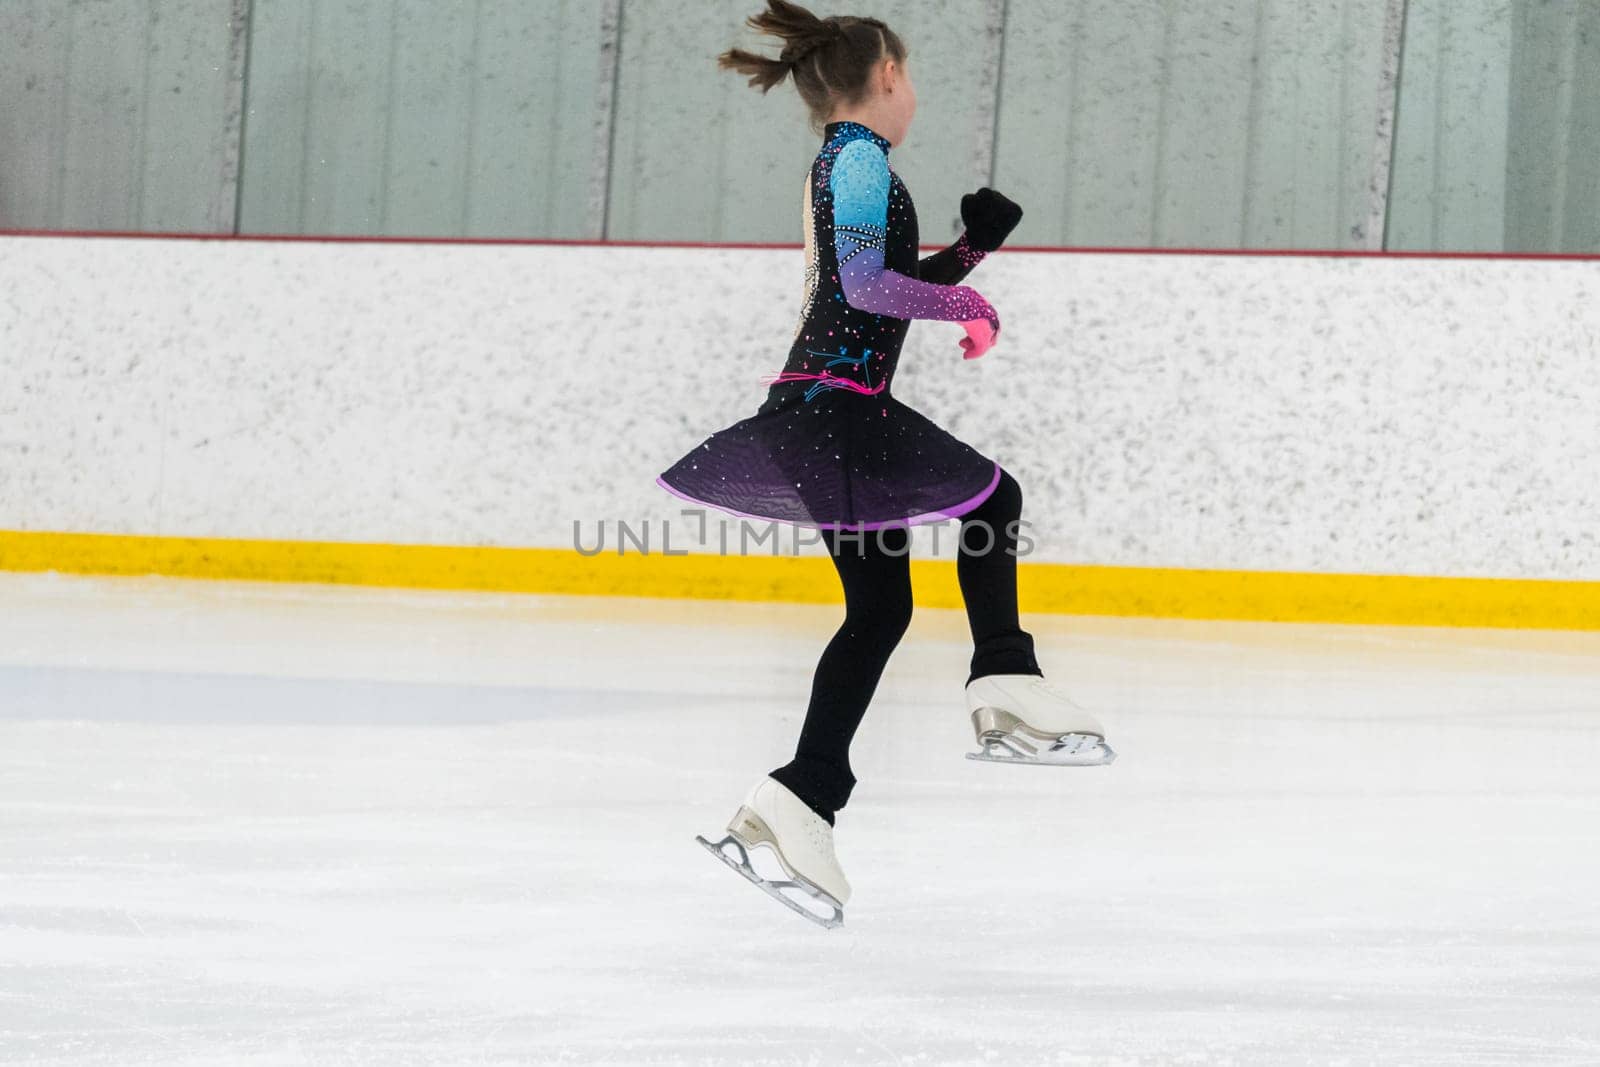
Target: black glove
989,218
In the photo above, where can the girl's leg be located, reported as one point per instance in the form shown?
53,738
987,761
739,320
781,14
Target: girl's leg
986,567
875,569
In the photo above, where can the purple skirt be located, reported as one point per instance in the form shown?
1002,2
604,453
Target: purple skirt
843,461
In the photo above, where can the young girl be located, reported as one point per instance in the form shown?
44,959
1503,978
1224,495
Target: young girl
831,448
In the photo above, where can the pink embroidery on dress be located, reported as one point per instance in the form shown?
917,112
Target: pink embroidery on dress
829,380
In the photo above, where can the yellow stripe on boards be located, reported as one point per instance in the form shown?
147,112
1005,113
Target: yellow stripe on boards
511,570
1043,587
1269,596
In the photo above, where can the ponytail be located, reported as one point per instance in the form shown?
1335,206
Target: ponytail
831,59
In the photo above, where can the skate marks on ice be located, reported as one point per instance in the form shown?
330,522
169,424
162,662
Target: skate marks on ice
1321,846
172,698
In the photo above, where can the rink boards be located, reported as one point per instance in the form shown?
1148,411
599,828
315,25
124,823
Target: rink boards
1341,439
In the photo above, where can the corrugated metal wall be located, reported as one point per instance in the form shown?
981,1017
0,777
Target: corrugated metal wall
1232,123
700,155
422,117
1211,123
1499,131
1553,172
120,114
1450,148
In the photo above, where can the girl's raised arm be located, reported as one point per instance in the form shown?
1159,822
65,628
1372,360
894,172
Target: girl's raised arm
989,217
860,184
950,265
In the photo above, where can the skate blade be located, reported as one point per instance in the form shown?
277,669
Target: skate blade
1069,750
774,889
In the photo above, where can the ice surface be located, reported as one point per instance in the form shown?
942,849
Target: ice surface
255,824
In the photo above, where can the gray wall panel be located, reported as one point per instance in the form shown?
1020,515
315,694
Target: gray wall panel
1581,229
273,153
349,65
1553,166
1207,118
1222,123
34,38
1175,123
1298,192
534,149
700,155
684,129
434,75
421,117
1080,119
1449,189
1364,91
107,70
189,162
116,114
1499,139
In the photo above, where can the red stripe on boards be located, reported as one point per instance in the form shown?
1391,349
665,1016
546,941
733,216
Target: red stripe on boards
1302,253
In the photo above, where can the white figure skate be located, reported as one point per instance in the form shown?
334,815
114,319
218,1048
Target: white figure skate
1020,719
803,872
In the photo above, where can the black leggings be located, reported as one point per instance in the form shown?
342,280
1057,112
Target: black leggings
875,568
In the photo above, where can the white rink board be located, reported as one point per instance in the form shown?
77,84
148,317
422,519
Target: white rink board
1328,415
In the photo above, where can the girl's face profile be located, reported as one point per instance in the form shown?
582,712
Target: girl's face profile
899,99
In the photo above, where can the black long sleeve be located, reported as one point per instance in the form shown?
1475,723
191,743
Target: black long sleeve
949,266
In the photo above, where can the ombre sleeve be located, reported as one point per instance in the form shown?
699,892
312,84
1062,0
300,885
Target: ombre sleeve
860,183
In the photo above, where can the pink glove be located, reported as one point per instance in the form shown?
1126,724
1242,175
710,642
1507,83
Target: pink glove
981,336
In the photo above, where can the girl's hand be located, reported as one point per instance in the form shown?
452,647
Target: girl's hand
981,336
989,218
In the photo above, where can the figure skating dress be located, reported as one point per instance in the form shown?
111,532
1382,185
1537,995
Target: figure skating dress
831,447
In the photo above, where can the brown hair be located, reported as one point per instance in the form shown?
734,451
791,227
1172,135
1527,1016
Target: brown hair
830,58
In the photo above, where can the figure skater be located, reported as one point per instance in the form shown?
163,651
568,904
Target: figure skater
831,448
